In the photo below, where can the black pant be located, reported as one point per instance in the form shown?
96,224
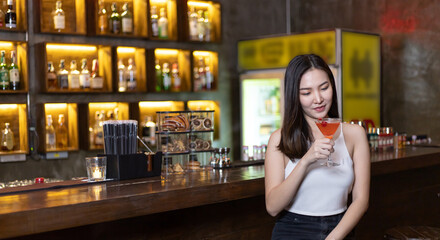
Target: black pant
292,226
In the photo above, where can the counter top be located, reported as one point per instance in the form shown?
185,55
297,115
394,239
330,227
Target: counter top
37,211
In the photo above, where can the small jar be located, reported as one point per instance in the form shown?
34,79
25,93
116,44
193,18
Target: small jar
245,153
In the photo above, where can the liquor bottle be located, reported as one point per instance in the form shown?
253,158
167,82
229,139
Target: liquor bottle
163,24
175,78
149,131
115,20
14,73
200,26
97,82
209,77
63,76
4,72
59,20
61,133
127,20
7,138
154,21
166,78
50,134
208,27
197,86
98,131
73,76
158,76
202,74
131,75
84,77
122,83
11,17
192,15
51,76
102,18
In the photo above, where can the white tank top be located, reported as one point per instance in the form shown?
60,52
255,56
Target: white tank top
324,190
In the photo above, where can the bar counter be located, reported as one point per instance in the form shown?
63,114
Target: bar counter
216,204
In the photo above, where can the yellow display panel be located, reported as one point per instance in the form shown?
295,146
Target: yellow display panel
361,77
276,52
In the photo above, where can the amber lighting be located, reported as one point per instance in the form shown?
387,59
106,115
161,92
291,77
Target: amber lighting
126,50
5,45
202,105
158,1
53,106
8,106
103,105
67,47
202,53
166,52
156,104
198,4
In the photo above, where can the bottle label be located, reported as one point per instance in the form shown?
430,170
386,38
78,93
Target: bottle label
176,82
97,83
154,27
50,140
14,75
193,29
4,79
163,30
84,80
59,22
74,81
63,81
131,85
127,25
99,138
166,81
102,23
116,26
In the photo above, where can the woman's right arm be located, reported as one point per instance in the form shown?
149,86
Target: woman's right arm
280,191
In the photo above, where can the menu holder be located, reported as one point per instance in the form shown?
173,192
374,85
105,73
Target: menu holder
131,166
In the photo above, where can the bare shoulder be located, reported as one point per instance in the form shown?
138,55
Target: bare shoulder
353,131
275,136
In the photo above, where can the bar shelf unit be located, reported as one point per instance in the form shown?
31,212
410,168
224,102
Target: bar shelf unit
16,116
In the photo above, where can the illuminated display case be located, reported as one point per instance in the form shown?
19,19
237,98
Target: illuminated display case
101,11
207,105
56,52
93,115
20,9
205,71
57,127
201,21
133,75
163,13
20,49
15,141
74,17
170,69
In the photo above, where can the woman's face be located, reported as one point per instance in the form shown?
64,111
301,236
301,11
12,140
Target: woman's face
315,94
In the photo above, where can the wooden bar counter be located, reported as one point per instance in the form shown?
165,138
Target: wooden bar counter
217,204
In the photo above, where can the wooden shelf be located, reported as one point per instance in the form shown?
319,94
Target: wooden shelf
208,61
54,52
171,12
170,56
20,49
16,116
139,57
212,10
74,13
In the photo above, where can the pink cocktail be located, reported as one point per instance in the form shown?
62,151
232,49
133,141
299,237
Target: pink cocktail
328,127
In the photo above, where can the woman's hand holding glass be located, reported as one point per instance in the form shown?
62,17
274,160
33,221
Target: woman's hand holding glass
319,151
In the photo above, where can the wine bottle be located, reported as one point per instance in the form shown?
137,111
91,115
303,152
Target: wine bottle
11,17
84,76
102,18
4,72
122,83
154,22
97,82
115,20
73,76
7,143
163,24
63,76
166,78
59,21
50,134
131,75
51,76
192,15
159,85
61,133
127,20
176,80
14,73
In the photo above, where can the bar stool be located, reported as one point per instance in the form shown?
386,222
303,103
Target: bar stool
412,233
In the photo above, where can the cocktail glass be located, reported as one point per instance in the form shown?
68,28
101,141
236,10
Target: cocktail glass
328,127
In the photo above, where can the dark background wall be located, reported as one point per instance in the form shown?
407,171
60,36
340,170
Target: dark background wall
410,31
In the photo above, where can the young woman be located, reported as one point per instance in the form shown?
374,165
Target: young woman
310,198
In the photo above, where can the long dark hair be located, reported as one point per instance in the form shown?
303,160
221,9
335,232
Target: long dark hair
295,131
